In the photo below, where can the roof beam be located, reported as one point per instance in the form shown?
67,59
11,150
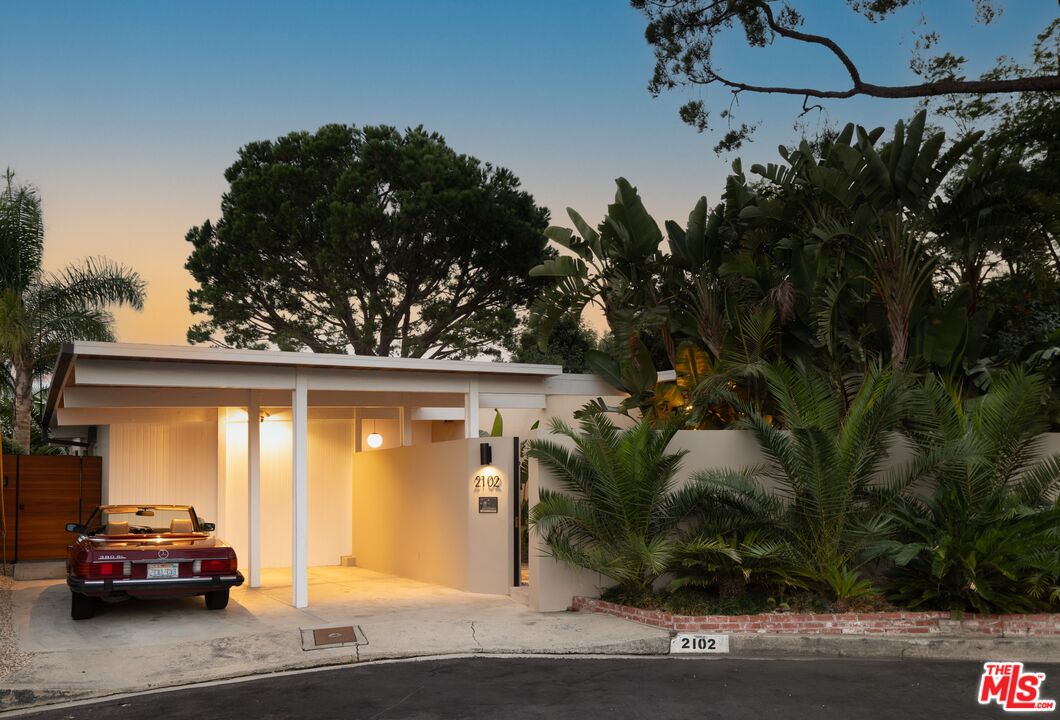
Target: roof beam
438,413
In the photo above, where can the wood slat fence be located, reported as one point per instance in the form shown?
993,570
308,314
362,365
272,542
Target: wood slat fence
41,494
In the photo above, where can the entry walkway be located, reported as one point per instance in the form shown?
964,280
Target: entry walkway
137,645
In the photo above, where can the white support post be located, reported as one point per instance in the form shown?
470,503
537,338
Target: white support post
254,487
471,409
222,472
299,491
405,419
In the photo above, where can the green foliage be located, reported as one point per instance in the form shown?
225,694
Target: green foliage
367,240
731,565
40,311
12,448
826,505
694,601
948,561
850,250
497,429
860,204
613,268
619,508
987,538
635,376
568,344
683,35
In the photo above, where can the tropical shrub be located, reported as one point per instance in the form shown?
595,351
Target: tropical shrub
987,536
819,496
732,565
620,506
907,246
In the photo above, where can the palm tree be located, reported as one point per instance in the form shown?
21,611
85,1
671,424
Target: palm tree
40,311
620,506
824,461
866,203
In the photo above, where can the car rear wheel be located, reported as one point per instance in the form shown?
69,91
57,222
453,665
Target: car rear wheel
217,599
82,607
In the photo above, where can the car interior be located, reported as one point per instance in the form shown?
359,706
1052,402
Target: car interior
142,522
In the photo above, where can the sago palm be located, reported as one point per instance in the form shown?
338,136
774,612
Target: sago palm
987,536
820,493
619,504
39,311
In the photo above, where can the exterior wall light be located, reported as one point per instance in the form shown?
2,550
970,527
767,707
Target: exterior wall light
485,453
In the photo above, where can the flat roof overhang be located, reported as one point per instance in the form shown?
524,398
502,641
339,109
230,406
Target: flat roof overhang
95,375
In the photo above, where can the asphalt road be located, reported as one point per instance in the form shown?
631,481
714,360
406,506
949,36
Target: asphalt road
660,688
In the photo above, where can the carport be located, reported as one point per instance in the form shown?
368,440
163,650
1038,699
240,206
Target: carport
218,428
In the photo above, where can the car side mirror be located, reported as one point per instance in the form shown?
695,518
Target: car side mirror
74,527
207,527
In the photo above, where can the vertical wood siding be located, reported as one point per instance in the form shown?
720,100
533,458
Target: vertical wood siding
165,457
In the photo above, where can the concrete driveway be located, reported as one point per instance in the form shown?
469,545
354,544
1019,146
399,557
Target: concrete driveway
138,645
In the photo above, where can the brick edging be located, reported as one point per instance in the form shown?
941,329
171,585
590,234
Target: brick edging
883,623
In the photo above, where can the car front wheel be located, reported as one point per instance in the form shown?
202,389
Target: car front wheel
217,599
82,607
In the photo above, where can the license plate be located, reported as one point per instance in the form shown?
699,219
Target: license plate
699,643
163,570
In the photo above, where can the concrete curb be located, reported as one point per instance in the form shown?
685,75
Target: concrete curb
978,649
22,698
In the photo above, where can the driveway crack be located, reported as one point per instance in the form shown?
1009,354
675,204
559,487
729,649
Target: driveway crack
474,636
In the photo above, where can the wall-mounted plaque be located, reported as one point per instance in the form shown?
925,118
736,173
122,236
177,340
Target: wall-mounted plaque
488,504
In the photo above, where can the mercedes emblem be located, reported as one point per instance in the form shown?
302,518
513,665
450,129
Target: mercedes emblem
163,554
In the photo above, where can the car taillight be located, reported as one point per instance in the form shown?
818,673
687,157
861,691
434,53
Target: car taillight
215,566
104,570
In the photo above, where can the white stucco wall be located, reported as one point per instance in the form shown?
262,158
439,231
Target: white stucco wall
415,514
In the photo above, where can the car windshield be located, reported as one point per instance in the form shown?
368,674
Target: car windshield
141,519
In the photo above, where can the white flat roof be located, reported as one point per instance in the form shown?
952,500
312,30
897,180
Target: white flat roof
189,353
169,366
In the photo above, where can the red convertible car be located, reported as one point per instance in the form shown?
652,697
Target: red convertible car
147,551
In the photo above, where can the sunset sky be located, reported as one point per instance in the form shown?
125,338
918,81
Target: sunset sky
126,114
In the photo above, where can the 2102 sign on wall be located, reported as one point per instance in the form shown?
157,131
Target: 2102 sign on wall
487,482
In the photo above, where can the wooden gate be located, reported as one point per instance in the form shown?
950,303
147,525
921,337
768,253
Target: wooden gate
41,494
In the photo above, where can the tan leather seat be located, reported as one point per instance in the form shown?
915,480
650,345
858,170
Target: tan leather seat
117,528
180,525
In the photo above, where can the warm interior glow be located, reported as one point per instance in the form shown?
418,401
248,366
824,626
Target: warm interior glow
375,440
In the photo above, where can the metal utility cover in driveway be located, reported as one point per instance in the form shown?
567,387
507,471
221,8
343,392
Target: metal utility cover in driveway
331,637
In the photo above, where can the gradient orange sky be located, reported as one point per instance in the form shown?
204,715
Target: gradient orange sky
125,115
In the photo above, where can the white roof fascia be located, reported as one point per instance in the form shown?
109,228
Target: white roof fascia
178,353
